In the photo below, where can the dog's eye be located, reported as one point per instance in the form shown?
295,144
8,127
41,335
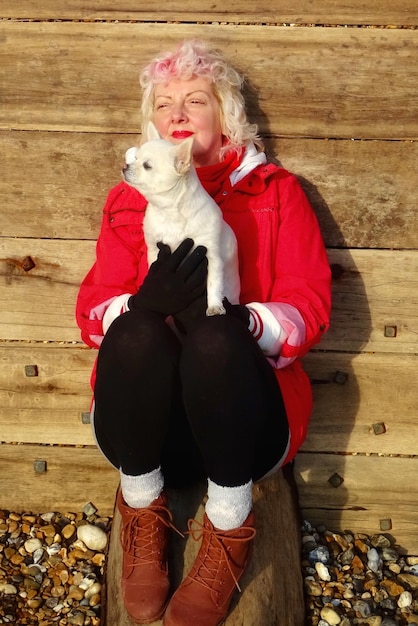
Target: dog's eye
147,165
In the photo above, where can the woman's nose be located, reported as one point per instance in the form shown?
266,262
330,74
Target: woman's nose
178,114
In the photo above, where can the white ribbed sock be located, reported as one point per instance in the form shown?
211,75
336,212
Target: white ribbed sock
228,507
139,491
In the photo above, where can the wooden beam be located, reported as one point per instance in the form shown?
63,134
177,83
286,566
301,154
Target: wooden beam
359,405
374,303
45,395
363,403
362,191
38,303
297,12
378,494
73,476
308,82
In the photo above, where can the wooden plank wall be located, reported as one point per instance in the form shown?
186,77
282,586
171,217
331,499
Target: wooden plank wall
334,90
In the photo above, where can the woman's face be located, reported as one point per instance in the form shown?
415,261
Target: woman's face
189,107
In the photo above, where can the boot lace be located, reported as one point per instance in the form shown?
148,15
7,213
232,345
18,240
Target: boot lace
216,554
141,536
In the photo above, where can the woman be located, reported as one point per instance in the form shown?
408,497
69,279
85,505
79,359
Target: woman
178,395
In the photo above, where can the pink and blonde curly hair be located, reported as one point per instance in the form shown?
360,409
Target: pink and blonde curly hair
193,58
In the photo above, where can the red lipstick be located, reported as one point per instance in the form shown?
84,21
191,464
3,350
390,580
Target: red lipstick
181,134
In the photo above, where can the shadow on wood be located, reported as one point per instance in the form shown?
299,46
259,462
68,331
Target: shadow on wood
272,591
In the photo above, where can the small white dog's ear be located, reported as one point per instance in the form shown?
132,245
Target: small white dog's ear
152,132
183,156
130,156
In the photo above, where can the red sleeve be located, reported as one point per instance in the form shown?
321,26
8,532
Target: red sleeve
302,272
120,264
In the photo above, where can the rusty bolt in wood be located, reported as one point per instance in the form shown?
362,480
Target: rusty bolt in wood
337,271
340,378
379,428
85,418
391,331
385,524
31,370
335,480
89,509
39,465
28,263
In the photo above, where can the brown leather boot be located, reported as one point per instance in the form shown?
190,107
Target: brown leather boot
204,596
144,539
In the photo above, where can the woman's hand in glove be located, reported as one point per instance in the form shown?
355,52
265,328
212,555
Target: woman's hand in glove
186,319
173,281
240,311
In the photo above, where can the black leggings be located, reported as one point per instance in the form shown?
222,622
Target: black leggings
206,406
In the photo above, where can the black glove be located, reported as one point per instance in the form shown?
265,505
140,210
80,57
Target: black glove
173,281
187,318
240,311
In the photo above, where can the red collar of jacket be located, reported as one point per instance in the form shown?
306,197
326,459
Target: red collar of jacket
123,196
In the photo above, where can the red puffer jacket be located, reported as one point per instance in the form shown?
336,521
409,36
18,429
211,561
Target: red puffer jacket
282,260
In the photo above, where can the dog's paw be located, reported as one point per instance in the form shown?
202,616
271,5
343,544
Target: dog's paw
215,310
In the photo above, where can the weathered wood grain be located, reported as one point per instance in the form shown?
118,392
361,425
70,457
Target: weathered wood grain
51,406
374,301
315,82
373,409
298,12
74,476
65,182
373,294
268,597
362,191
39,303
375,489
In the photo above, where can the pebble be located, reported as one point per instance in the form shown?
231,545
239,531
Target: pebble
405,599
373,560
362,608
68,531
330,616
7,589
321,554
92,536
32,545
409,580
374,620
312,587
357,579
322,571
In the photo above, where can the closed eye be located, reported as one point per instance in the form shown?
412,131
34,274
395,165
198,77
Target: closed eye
147,165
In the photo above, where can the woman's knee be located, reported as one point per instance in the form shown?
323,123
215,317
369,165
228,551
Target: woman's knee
218,338
139,333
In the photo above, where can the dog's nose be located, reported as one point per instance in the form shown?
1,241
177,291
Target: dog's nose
130,156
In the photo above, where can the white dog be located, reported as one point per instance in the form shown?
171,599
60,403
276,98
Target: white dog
179,207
